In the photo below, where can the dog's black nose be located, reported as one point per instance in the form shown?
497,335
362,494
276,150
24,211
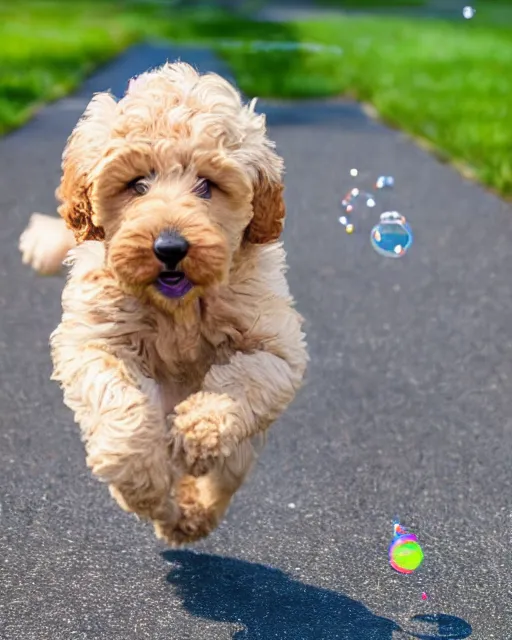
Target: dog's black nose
170,247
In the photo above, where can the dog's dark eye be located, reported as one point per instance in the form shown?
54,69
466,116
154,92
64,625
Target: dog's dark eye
140,186
203,189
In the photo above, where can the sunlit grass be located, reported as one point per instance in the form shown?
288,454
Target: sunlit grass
46,51
48,48
449,83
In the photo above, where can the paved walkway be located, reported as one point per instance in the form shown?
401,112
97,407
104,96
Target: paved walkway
407,412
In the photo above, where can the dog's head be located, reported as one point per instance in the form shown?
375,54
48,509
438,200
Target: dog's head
175,178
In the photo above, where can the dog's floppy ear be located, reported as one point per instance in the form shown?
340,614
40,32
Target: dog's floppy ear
82,153
268,211
76,208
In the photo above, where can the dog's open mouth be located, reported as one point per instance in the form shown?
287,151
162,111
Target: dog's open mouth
173,284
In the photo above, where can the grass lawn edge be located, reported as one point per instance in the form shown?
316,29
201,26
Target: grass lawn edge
59,92
464,169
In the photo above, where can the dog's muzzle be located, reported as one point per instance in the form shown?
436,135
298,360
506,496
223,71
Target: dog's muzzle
170,248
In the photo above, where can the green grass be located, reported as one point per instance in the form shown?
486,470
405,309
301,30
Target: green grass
48,48
45,52
448,83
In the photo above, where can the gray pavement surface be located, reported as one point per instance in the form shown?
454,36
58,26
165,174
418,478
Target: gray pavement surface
407,412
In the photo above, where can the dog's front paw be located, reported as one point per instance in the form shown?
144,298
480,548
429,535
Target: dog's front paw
204,430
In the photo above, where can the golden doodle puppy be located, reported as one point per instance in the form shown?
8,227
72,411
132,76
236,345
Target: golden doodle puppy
179,343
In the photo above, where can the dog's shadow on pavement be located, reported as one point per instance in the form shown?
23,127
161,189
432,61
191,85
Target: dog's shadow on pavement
268,603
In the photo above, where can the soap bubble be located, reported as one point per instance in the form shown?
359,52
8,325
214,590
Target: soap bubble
468,12
346,222
385,182
351,204
405,553
356,197
392,236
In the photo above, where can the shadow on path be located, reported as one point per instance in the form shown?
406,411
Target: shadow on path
440,625
271,604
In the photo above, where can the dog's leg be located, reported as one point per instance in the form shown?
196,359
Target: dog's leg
243,397
203,501
45,243
123,425
214,429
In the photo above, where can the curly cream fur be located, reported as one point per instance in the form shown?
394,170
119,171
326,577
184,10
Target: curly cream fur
173,397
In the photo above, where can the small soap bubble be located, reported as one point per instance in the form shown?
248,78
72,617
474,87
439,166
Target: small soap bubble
352,204
392,236
355,197
350,197
385,182
405,552
468,12
344,221
354,172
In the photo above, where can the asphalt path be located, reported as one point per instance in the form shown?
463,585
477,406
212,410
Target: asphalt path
407,412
